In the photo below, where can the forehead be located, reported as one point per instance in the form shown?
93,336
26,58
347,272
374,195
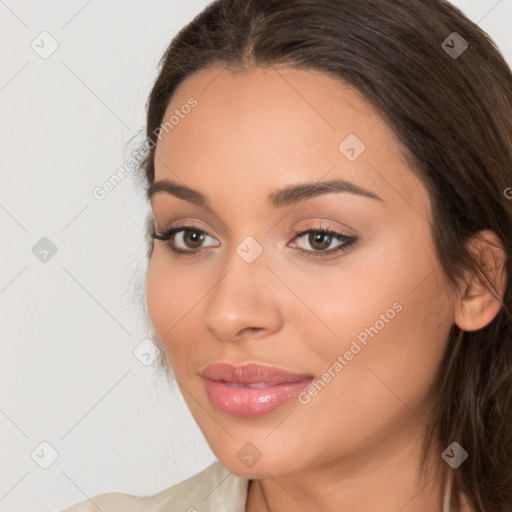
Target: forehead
279,125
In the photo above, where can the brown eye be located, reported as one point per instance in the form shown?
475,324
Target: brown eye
190,237
193,238
319,240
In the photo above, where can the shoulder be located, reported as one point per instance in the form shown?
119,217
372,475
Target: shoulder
212,489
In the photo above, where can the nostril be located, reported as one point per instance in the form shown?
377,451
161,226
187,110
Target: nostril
251,330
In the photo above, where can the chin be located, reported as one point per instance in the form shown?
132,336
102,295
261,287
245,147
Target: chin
257,468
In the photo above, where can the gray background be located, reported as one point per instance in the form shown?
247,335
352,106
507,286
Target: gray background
69,325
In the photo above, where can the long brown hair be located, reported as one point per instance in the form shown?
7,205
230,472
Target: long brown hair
448,97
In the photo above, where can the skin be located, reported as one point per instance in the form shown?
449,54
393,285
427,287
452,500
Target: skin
356,445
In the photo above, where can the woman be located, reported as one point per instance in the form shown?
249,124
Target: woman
330,251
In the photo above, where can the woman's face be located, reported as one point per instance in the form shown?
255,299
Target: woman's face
360,331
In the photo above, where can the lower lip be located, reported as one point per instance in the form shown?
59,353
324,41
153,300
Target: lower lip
250,402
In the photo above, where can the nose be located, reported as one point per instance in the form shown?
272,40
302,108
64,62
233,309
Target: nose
245,302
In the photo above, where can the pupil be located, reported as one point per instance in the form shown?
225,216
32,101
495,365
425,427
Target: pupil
195,236
319,237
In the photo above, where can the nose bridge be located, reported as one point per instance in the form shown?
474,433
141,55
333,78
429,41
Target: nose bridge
242,297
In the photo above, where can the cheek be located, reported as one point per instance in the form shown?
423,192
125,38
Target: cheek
392,317
396,270
172,294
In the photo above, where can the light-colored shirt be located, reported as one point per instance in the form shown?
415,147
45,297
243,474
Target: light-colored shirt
215,489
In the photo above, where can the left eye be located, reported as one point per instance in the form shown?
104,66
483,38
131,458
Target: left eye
321,241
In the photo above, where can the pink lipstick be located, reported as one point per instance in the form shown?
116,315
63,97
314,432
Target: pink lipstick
253,389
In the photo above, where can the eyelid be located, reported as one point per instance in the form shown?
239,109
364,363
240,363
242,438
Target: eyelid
325,224
174,229
184,224
186,214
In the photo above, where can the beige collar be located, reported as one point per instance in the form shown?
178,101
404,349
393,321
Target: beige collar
447,495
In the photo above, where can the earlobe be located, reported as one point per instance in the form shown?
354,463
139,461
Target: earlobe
479,304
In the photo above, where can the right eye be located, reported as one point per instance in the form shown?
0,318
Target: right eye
190,236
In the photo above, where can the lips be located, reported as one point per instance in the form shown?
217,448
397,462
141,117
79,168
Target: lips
251,374
252,389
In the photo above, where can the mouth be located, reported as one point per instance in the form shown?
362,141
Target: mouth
253,389
251,375
256,385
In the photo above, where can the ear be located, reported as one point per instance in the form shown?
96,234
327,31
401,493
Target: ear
479,303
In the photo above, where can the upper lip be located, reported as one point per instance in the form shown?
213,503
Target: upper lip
251,374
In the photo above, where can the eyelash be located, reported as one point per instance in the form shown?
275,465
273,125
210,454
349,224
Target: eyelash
349,241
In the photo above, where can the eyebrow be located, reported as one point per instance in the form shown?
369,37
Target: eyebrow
283,197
